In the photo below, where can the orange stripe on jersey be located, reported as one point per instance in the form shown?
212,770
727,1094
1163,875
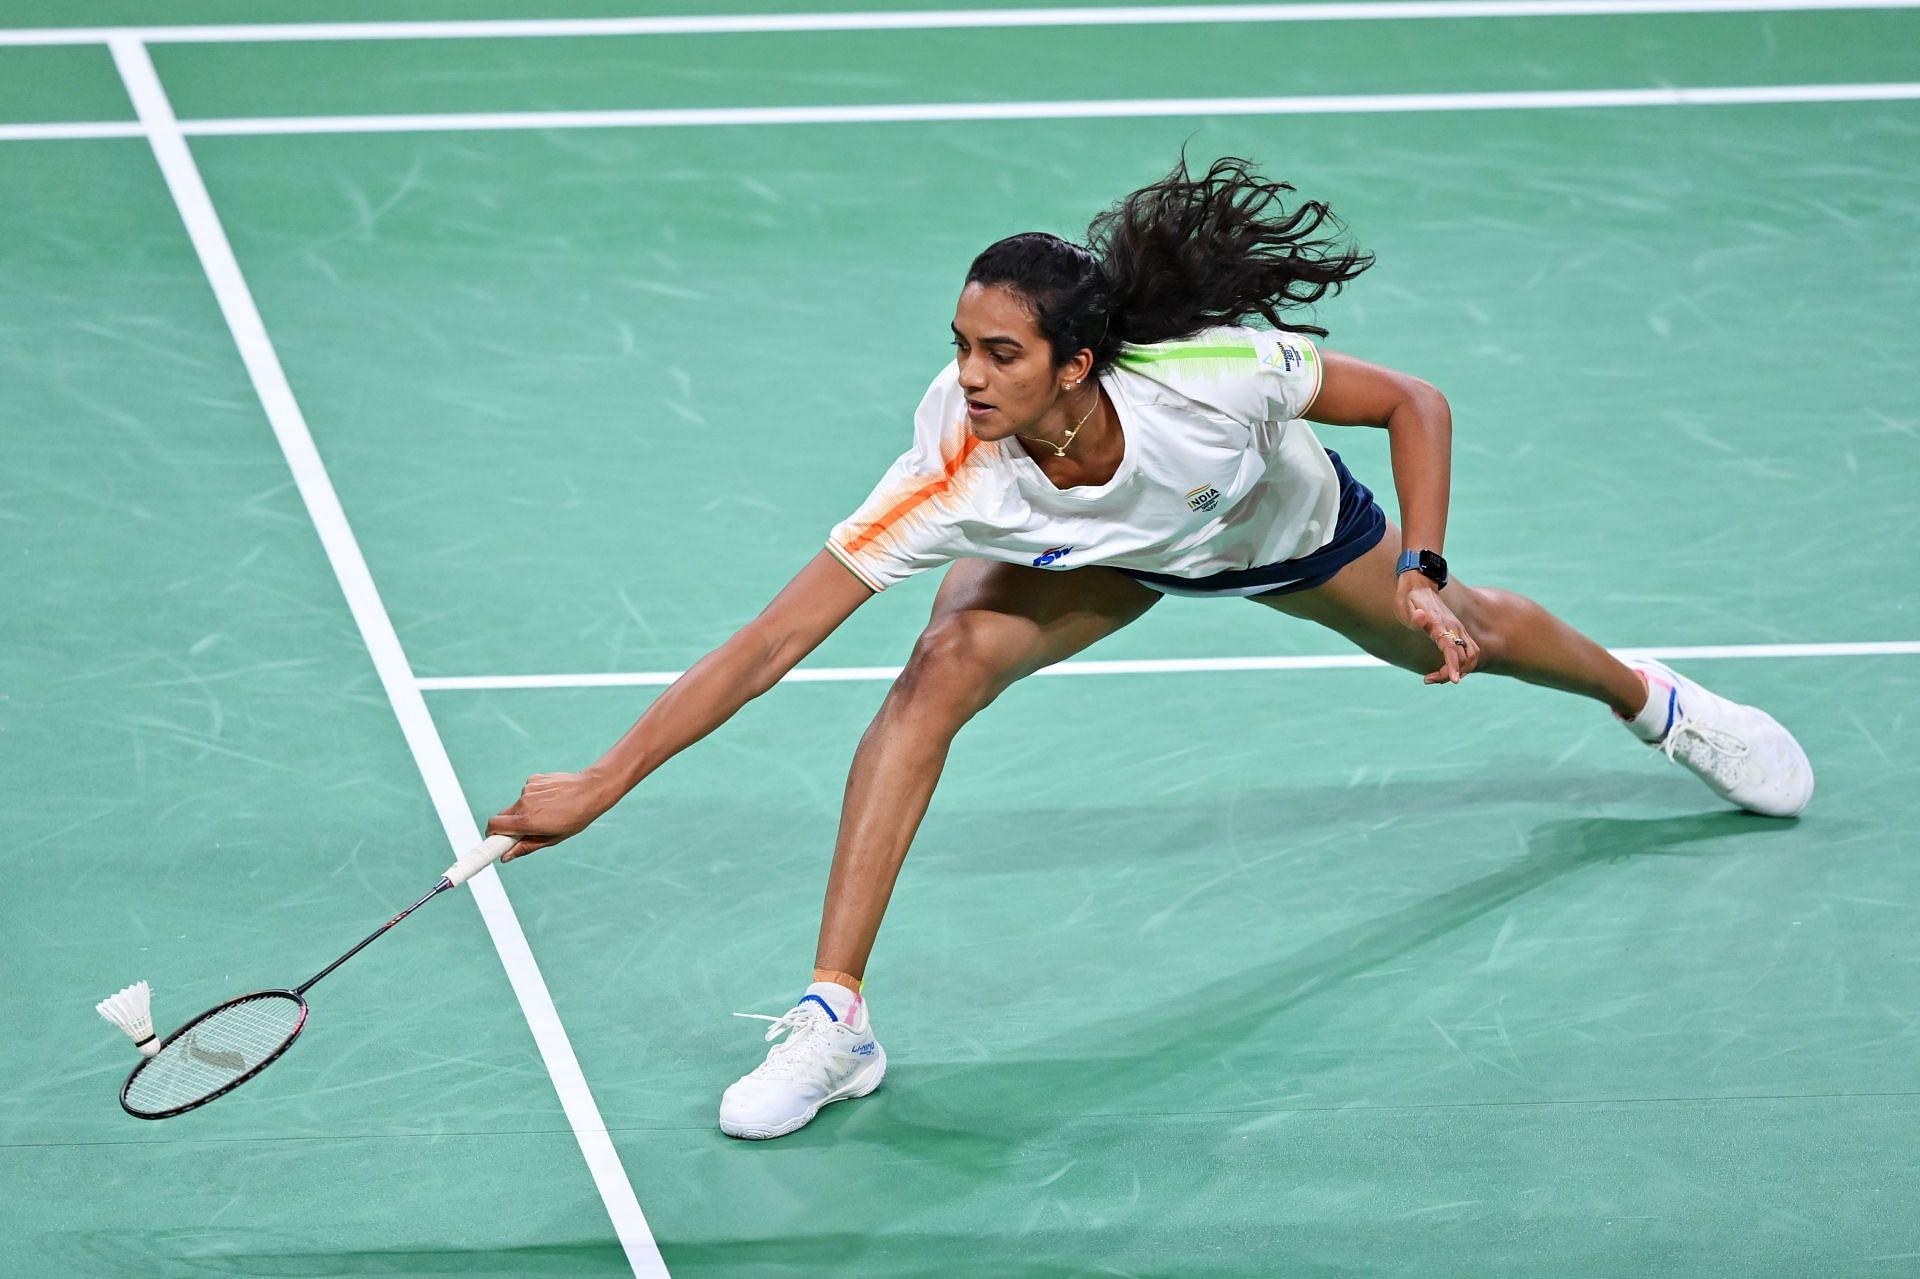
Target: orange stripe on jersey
915,500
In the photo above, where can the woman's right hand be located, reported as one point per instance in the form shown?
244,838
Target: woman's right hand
551,807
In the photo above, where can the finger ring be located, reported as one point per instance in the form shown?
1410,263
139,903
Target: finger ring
1455,637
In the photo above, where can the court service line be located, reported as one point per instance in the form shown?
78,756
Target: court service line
927,112
1330,104
929,20
1151,666
383,644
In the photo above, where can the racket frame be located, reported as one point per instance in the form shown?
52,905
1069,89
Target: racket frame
489,851
231,1084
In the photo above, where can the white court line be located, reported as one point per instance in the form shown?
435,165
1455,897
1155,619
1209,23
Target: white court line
931,20
1332,104
70,129
383,645
1150,666
1133,108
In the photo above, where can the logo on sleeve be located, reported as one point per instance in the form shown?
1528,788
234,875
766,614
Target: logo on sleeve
1051,554
1204,498
1287,357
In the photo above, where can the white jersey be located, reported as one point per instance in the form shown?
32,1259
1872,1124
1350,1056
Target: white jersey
1219,474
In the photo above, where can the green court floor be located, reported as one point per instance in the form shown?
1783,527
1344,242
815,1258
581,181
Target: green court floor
1304,972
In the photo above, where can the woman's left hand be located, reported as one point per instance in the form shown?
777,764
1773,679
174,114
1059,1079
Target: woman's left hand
1420,608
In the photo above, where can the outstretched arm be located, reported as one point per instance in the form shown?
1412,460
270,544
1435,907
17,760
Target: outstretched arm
554,806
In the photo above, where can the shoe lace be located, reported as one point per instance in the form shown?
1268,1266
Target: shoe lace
1710,750
807,1029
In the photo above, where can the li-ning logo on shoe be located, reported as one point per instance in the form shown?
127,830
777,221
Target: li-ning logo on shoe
865,1050
1204,498
1051,554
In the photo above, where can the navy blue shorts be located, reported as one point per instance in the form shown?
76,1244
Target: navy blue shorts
1359,528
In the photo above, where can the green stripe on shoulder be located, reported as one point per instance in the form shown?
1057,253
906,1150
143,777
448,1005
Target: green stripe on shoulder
1167,354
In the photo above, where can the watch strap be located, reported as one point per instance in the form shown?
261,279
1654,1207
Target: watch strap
1425,563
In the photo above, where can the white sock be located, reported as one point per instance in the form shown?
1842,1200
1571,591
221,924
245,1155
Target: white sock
847,1005
1657,716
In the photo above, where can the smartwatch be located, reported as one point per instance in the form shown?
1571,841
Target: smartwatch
1425,563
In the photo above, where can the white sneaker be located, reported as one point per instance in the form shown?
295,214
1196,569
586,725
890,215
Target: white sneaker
829,1055
1741,752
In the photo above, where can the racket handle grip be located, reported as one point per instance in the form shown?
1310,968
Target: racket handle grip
491,850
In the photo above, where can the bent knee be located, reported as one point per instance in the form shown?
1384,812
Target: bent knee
955,665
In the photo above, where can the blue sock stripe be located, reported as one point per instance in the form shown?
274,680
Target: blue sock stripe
823,1003
1673,708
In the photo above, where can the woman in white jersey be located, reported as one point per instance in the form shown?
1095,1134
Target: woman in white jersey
1108,434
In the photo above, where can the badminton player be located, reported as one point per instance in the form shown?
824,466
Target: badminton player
1112,431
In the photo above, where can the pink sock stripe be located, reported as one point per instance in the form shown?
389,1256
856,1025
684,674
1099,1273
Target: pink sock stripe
1664,702
1646,682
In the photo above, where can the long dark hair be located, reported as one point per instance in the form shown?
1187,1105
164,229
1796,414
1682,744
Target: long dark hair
1176,257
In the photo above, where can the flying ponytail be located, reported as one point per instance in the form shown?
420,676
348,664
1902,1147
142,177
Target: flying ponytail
1176,257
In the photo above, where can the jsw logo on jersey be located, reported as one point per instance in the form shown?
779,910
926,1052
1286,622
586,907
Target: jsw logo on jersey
1051,554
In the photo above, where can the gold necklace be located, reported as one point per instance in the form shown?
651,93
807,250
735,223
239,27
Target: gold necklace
1060,449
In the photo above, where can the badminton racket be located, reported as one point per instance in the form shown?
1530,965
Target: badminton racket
229,1044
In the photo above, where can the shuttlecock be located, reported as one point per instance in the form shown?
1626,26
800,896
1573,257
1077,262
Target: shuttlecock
132,1011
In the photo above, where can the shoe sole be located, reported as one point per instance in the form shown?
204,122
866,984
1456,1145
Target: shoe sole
859,1086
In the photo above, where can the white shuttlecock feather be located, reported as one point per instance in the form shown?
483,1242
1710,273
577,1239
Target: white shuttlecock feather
132,1011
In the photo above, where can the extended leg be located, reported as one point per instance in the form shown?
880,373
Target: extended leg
1517,637
1742,753
992,624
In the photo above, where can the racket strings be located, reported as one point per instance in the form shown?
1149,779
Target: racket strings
215,1052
